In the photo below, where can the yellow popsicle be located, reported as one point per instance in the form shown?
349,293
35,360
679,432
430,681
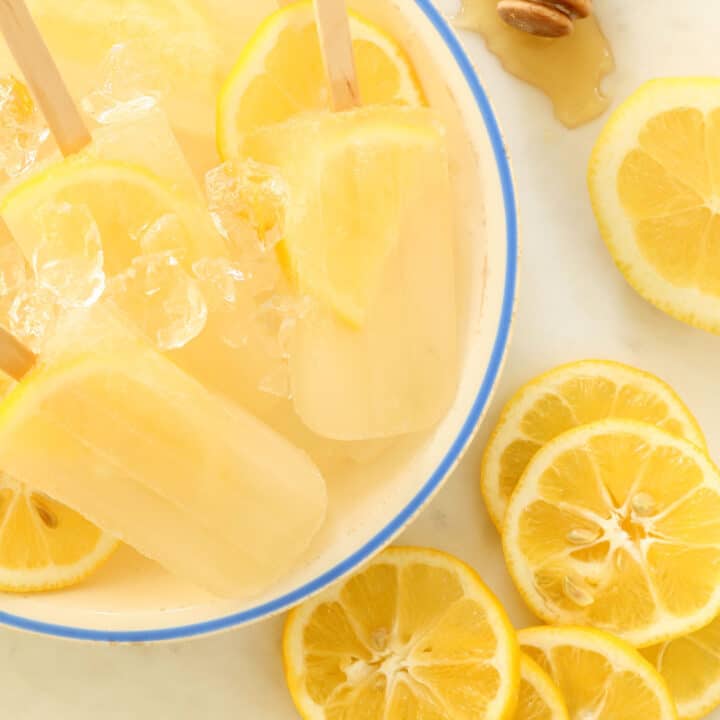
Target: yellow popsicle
126,52
369,235
119,433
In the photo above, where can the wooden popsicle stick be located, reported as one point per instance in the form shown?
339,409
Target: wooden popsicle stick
15,359
333,26
33,57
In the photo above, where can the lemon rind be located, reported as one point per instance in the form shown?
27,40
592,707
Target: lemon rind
57,577
544,686
263,41
622,656
507,428
705,702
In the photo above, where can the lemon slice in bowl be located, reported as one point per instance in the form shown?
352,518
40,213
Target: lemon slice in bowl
122,198
353,178
690,666
280,74
654,185
566,397
600,676
539,698
43,544
414,634
616,524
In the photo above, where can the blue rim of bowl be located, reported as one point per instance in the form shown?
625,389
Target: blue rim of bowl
464,436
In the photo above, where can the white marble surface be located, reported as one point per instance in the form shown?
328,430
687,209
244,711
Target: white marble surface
573,304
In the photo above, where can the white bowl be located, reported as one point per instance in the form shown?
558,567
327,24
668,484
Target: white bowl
134,600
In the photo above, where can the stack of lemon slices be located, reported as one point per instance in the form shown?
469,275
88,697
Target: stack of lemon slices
416,635
609,507
598,477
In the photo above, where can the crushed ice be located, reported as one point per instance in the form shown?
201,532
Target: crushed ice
68,260
162,299
22,128
129,84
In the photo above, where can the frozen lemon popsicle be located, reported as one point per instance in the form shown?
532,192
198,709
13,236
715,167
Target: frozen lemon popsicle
121,179
114,430
369,236
129,176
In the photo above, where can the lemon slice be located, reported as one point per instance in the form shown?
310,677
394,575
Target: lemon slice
566,397
600,676
339,166
280,74
43,544
654,180
539,697
123,199
690,666
617,525
414,634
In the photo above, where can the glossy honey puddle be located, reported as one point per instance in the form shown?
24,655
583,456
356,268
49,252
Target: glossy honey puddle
568,70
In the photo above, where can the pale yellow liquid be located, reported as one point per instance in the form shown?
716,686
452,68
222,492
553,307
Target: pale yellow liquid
568,70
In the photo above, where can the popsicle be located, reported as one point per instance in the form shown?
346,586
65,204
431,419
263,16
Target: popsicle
114,430
368,235
128,174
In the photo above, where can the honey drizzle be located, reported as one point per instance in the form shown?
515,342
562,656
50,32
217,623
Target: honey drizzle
568,70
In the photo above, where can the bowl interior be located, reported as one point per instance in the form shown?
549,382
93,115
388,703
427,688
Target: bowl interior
132,598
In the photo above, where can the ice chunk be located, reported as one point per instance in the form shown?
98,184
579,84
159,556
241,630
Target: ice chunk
293,306
229,297
161,299
276,324
13,274
33,315
263,273
246,312
277,381
22,129
222,281
129,84
166,234
13,269
235,292
68,259
247,202
278,318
